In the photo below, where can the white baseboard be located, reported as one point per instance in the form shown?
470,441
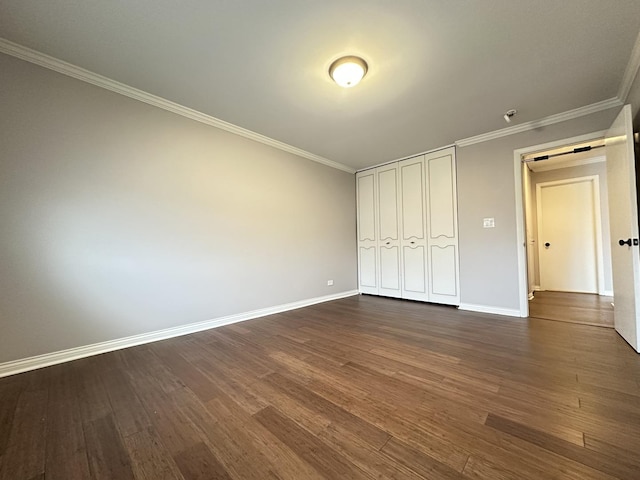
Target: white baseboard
510,312
606,293
32,363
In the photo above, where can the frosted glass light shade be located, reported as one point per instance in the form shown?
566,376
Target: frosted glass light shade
348,71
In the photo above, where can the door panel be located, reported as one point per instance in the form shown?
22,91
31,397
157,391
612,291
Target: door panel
444,283
415,285
413,185
367,240
366,208
441,197
388,231
567,236
389,271
623,221
367,256
388,203
413,238
442,227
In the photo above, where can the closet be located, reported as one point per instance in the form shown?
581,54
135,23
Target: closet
408,229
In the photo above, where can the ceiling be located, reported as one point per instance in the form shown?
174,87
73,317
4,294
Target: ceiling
439,71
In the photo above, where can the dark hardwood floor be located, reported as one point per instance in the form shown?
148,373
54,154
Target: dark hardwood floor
359,388
584,308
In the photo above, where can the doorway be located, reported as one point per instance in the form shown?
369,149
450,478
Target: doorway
567,233
623,221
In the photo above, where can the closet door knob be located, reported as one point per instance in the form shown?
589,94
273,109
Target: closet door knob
624,242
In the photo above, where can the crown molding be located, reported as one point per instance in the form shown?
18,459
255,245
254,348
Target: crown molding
631,72
543,122
60,66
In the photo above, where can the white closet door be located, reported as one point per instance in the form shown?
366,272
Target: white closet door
413,238
367,239
388,231
444,283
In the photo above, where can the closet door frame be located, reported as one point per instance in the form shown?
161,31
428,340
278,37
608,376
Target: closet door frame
384,248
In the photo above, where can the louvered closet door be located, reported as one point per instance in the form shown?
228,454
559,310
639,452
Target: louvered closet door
442,227
388,231
367,239
413,238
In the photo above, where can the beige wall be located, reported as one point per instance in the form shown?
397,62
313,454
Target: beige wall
119,218
597,169
486,188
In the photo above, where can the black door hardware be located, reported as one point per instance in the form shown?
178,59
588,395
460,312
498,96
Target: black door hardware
624,242
547,244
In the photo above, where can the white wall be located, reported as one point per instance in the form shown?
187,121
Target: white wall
118,218
597,169
486,188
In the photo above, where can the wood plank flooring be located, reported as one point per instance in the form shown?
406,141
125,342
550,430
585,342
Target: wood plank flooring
583,308
360,388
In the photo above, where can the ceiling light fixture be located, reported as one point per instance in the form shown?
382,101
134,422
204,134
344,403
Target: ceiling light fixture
510,113
348,71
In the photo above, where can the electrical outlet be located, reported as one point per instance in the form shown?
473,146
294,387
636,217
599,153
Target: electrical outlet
488,222
329,283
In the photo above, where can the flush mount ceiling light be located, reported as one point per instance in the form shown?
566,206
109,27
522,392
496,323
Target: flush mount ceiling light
348,71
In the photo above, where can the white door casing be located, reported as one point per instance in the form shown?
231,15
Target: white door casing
529,231
623,220
521,239
569,235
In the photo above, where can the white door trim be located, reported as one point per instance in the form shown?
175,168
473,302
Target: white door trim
597,207
520,228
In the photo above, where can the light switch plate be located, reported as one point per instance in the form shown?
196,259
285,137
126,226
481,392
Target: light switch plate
488,222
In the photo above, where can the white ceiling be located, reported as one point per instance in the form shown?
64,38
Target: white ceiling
439,71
